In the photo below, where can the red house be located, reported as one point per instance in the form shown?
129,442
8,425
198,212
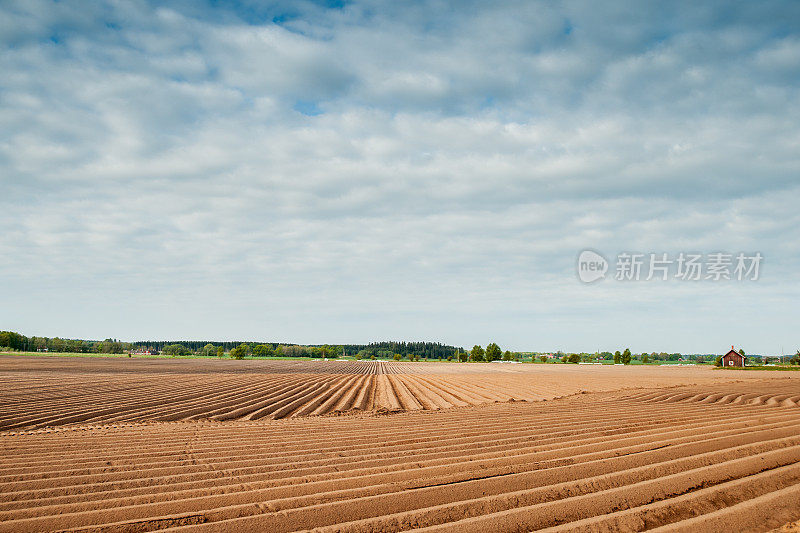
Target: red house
733,358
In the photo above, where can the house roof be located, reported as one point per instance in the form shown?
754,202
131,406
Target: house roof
734,352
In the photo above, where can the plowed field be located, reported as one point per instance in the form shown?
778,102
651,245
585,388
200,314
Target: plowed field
52,391
138,445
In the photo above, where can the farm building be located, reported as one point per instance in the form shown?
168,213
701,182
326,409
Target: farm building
733,358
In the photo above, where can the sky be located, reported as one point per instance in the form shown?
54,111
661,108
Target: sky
348,172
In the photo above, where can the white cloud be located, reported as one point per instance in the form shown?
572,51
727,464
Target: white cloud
158,181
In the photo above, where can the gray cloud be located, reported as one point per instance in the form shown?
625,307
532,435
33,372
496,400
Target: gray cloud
159,181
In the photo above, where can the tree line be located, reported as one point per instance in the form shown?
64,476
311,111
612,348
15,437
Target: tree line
383,349
403,349
493,352
397,350
237,349
624,357
16,341
196,347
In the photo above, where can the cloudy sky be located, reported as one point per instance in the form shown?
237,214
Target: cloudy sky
350,172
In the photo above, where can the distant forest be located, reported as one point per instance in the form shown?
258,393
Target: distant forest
422,350
16,341
11,340
430,350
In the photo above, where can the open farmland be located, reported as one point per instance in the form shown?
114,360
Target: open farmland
142,445
52,391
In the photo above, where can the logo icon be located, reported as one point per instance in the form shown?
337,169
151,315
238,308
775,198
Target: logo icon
591,266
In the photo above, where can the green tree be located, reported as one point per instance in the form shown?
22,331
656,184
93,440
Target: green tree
493,352
741,352
463,357
240,351
116,347
220,351
626,357
6,339
718,361
57,345
645,358
328,351
574,358
397,357
170,349
209,350
292,350
477,353
263,350
617,357
543,358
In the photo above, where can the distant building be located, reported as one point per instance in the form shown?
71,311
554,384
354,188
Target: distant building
733,358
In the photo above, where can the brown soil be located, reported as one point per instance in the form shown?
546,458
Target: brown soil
37,392
791,527
114,445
